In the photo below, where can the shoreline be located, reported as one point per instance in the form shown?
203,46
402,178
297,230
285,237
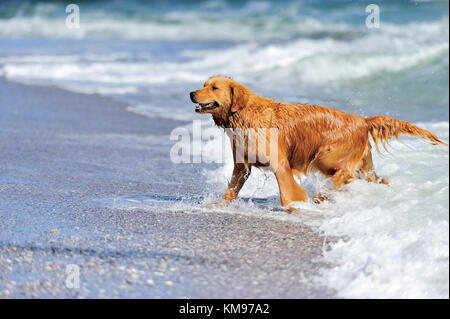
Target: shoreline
65,151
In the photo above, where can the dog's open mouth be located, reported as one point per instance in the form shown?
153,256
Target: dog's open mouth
199,108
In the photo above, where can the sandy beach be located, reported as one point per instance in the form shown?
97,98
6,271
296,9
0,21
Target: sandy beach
64,156
94,99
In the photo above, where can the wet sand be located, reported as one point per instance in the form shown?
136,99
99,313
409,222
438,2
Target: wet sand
62,154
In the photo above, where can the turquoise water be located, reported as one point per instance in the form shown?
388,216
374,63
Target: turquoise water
150,54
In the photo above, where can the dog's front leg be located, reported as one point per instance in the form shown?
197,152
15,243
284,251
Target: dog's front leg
241,172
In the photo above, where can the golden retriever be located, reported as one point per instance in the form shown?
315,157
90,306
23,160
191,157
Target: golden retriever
309,137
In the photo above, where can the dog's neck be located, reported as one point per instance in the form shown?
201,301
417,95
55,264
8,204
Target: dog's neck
244,118
232,120
221,122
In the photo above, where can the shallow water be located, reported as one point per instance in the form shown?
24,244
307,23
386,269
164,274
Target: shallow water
150,55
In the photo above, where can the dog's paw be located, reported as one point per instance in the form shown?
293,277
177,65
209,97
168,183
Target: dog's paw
319,198
222,203
291,208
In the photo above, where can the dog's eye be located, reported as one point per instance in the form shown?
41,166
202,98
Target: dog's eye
214,88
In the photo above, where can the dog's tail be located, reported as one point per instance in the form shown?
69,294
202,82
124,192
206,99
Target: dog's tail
384,128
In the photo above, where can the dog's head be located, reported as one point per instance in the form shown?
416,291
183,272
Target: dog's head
220,96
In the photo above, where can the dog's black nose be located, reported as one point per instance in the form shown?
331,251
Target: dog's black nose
192,95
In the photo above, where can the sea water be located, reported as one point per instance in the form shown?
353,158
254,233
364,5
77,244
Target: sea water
393,241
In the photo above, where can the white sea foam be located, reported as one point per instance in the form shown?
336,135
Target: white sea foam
324,64
248,22
307,61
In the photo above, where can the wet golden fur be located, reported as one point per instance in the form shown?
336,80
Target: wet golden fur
310,137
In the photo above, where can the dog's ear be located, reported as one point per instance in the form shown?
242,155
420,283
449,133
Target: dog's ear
239,97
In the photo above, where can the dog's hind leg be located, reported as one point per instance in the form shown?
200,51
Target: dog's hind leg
342,177
366,170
